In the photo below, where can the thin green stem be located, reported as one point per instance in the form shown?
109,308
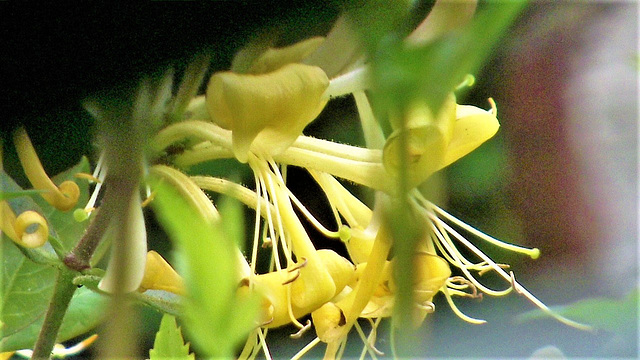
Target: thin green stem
62,294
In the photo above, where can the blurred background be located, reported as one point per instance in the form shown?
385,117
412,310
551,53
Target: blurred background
560,175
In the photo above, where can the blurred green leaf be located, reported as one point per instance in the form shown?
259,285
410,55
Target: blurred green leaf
162,301
214,316
403,74
85,312
169,343
615,316
27,286
6,195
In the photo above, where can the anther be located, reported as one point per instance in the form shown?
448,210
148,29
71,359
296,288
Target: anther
514,284
149,199
87,177
299,266
294,278
301,332
488,268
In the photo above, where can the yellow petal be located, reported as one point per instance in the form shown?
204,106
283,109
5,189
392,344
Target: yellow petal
473,127
159,275
266,113
427,138
328,321
274,58
24,225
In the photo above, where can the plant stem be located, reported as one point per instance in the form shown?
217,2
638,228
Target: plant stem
62,294
79,258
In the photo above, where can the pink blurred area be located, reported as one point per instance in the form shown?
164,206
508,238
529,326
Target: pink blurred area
570,100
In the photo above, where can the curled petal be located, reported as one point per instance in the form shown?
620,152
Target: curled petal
62,198
266,112
31,229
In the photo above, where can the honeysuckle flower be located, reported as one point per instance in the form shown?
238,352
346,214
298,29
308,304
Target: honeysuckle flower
256,114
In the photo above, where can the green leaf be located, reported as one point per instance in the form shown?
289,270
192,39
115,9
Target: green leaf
27,287
169,343
430,72
7,195
216,319
85,312
612,315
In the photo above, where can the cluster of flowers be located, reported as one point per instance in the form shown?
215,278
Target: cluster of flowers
256,114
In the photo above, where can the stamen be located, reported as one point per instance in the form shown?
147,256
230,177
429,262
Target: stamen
321,228
100,172
494,108
263,342
253,163
87,177
274,200
289,281
368,346
373,136
533,253
464,269
356,80
256,227
458,282
306,349
148,200
468,81
299,266
249,346
486,268
514,284
511,280
427,306
60,351
457,311
302,330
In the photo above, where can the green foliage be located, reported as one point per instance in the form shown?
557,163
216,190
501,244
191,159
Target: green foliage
169,343
7,195
215,318
429,72
27,286
611,315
